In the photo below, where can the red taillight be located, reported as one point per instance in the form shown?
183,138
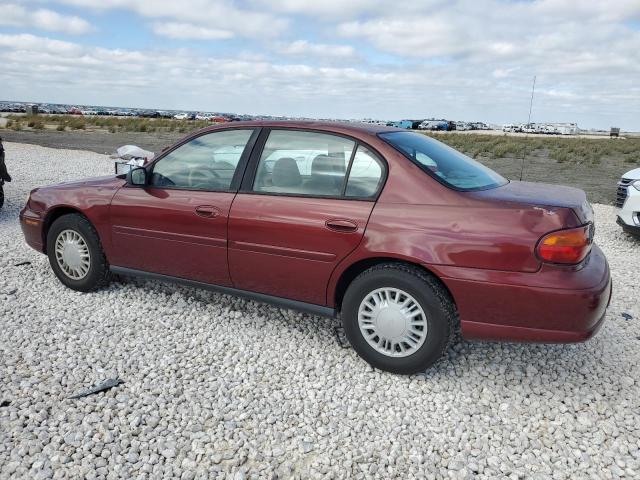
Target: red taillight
566,246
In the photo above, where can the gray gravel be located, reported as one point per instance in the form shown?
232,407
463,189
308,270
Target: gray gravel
218,387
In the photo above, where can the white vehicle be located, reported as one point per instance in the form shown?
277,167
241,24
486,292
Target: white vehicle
181,116
567,129
628,202
509,127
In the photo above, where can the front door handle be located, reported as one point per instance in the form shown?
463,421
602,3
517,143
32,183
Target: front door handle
207,211
341,225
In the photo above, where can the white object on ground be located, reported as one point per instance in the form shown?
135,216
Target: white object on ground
130,152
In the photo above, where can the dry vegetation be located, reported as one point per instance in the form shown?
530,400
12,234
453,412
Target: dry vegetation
112,124
561,149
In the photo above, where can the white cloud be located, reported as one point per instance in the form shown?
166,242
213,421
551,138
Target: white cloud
30,43
326,9
183,31
213,15
305,48
538,33
14,15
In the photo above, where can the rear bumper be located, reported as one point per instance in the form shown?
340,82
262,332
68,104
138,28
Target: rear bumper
553,305
32,224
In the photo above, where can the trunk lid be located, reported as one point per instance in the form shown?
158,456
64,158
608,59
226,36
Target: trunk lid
541,195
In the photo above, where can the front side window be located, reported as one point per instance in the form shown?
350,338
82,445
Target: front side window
207,162
449,166
303,163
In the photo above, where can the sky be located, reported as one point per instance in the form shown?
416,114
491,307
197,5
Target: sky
470,60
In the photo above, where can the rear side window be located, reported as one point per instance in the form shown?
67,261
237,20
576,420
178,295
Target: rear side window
365,175
303,163
442,162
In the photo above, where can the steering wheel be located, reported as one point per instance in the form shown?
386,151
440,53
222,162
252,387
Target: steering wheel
199,178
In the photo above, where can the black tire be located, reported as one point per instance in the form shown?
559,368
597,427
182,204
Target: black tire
98,274
439,309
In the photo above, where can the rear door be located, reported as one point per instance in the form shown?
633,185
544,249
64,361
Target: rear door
177,224
297,216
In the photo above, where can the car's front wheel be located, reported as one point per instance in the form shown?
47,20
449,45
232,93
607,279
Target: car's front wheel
398,318
75,253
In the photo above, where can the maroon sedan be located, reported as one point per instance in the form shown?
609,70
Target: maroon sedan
407,239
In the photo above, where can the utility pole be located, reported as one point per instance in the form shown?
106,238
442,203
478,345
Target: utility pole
524,151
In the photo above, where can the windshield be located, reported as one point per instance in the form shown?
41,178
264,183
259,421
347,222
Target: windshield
443,162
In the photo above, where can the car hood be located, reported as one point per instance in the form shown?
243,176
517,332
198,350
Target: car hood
106,181
78,194
632,174
541,195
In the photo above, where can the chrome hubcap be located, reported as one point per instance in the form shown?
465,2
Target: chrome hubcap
72,254
392,322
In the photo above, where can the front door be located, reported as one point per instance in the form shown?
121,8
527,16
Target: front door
301,214
177,224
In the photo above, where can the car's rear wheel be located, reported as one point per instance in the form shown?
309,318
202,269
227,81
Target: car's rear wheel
398,318
76,255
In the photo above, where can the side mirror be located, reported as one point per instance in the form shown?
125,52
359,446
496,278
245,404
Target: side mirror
137,176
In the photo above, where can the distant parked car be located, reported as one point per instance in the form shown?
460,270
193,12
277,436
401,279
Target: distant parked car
149,114
434,125
406,124
628,202
405,237
206,116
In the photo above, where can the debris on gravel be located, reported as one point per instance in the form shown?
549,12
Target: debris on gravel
101,387
221,387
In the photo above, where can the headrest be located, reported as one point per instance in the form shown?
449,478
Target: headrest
326,165
286,173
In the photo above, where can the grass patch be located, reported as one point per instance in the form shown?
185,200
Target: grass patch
561,149
111,124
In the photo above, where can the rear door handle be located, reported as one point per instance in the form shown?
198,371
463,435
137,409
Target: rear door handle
341,225
208,211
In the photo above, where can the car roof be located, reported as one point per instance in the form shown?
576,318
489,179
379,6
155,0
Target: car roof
337,127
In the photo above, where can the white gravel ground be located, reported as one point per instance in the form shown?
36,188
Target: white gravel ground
218,387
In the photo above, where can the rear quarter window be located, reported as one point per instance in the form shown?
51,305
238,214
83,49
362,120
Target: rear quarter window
445,164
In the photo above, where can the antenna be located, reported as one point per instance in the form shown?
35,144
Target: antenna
524,152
